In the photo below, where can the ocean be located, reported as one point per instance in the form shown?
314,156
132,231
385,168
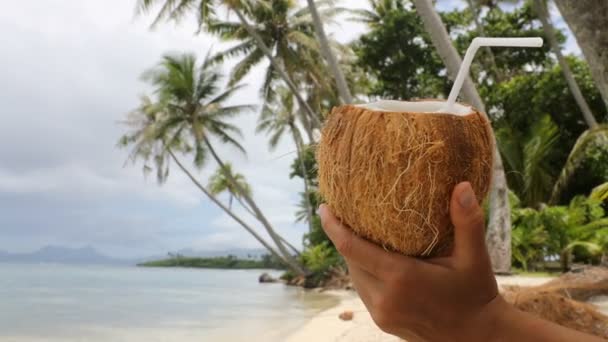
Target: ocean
50,302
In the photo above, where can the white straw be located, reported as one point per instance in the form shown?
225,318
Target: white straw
468,58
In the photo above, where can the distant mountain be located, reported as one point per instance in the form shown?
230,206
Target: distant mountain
89,255
61,255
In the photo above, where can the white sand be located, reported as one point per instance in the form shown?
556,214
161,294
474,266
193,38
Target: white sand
327,327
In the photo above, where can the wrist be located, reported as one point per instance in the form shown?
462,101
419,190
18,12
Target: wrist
493,322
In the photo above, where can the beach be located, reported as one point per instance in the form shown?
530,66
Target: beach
327,327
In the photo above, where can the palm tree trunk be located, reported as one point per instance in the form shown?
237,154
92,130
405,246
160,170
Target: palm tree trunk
307,125
480,30
588,21
289,263
498,237
300,147
443,44
266,50
258,213
343,90
295,250
543,15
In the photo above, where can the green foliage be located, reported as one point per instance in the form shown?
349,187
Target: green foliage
526,159
395,53
585,165
310,165
228,262
320,258
287,29
504,63
578,231
600,193
220,182
522,101
188,109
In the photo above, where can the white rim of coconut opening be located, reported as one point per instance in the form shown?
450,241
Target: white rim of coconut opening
423,107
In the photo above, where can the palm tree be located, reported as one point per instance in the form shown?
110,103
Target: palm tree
289,33
499,228
540,6
219,183
373,17
189,111
526,157
278,118
598,135
588,20
156,148
197,113
177,9
329,55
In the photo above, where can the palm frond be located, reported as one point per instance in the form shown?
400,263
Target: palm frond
243,48
537,173
600,193
245,65
576,157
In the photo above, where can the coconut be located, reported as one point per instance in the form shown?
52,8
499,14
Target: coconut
387,170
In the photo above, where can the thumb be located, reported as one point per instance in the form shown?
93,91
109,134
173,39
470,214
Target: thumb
468,221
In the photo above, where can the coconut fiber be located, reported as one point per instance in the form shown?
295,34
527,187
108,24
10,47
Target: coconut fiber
389,176
560,310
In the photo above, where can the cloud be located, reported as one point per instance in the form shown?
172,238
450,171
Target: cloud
70,73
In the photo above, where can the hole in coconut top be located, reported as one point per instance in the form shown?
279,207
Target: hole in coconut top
427,107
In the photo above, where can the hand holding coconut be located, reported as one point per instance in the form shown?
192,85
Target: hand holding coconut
452,298
416,250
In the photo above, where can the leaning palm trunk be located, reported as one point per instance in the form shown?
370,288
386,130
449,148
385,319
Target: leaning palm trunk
295,250
293,266
297,138
266,50
329,56
588,21
541,10
498,235
576,158
256,210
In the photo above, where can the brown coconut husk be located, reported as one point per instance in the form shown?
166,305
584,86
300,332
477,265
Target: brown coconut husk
559,309
390,175
580,285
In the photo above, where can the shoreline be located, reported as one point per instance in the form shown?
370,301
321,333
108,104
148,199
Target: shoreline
327,327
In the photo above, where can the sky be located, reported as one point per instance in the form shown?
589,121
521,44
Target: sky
69,72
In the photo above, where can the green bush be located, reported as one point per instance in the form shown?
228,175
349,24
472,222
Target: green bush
576,232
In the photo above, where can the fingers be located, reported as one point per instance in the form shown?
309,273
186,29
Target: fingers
468,220
357,251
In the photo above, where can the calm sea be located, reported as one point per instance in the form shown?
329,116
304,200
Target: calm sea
98,303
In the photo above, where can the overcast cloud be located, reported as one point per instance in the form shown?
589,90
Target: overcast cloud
69,71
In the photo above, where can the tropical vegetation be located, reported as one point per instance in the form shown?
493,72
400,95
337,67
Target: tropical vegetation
227,262
548,207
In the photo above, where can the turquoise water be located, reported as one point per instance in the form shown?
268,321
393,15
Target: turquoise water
98,303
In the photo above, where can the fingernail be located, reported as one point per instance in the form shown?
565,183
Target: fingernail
467,197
